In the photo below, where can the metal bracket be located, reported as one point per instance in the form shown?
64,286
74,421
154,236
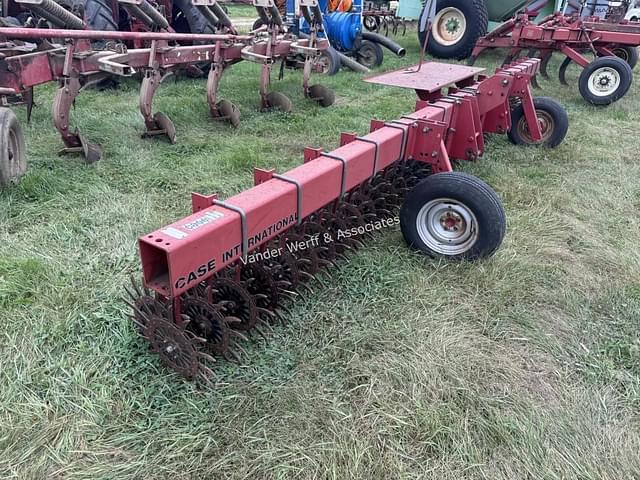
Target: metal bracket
377,150
343,183
298,192
243,225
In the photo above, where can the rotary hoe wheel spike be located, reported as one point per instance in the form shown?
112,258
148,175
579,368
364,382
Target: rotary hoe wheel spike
240,335
207,357
134,284
205,376
262,334
231,320
231,356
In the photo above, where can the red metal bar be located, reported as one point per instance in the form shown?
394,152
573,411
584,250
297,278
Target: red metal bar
32,33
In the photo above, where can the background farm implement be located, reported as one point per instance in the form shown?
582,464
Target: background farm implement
603,80
229,270
76,64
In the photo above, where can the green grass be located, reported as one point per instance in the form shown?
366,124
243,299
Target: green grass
524,366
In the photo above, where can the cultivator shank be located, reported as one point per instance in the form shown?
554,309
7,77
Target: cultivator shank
231,267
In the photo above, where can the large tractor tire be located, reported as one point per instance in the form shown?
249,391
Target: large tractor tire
456,28
188,19
98,15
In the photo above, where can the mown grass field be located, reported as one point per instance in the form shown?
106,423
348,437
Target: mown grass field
524,366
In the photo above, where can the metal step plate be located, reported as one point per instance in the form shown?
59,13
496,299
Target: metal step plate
431,77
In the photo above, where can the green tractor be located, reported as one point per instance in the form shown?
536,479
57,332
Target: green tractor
456,25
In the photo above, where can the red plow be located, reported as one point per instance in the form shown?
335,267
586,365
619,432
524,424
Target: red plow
229,270
603,80
76,64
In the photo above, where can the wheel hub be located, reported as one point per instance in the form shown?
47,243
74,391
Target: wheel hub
452,25
604,81
546,123
449,26
452,222
447,226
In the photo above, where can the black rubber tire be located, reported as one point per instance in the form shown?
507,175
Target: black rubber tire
477,18
371,23
13,156
470,191
370,54
332,61
620,66
628,54
257,24
97,14
554,110
188,19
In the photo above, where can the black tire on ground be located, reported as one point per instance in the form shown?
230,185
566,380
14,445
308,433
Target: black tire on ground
605,80
453,215
553,119
188,19
628,54
461,41
13,157
370,54
330,61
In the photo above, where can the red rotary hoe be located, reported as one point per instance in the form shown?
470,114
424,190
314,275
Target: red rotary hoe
228,270
76,64
603,80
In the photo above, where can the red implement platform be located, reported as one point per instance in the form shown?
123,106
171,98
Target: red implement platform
431,78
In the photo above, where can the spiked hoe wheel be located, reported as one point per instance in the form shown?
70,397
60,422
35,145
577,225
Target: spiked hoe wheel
230,271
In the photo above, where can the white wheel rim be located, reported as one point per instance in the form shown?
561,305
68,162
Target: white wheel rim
449,26
447,226
604,81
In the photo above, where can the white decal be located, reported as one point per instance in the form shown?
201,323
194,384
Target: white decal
174,232
205,219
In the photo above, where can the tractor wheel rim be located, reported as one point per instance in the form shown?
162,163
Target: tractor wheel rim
621,53
604,81
547,126
447,226
449,26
